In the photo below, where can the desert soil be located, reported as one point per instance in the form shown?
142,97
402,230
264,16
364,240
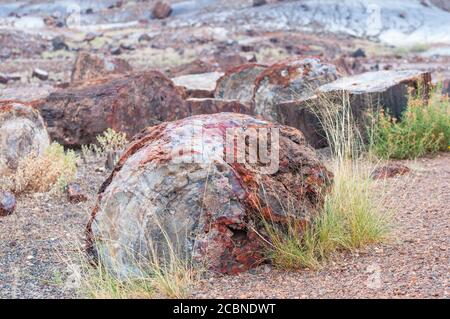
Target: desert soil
38,247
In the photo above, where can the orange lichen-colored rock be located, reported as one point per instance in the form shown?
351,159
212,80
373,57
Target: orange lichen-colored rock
197,184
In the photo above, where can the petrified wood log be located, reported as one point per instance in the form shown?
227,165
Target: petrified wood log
88,66
22,131
127,103
239,83
192,183
291,80
373,90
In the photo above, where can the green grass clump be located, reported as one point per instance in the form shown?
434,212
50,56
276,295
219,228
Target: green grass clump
423,128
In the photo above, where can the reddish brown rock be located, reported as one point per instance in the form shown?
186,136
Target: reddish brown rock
161,10
75,194
127,103
88,66
174,183
22,131
239,83
390,170
226,62
288,81
211,106
7,203
195,67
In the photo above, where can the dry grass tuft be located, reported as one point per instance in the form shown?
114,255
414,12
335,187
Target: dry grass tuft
49,171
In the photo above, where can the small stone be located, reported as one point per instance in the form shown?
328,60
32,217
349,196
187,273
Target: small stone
161,10
7,203
144,37
258,3
90,36
75,193
59,43
116,50
359,53
127,47
40,74
390,170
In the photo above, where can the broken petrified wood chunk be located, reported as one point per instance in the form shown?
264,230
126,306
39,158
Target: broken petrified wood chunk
390,170
198,85
7,203
291,80
75,194
195,67
194,183
239,83
22,131
300,115
210,106
40,74
127,103
89,66
388,89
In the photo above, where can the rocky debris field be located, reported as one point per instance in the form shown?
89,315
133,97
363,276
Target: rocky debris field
156,71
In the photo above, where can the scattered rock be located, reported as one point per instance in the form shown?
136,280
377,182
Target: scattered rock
58,43
7,203
89,66
238,83
380,88
195,67
161,10
198,85
75,194
258,3
390,170
90,36
40,74
144,37
116,50
226,62
128,47
359,53
208,207
126,103
5,78
22,131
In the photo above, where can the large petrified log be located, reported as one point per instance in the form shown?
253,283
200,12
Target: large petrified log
127,103
192,183
291,80
373,90
239,83
88,66
22,131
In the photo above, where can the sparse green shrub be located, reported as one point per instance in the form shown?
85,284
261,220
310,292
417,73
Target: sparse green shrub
110,144
349,218
423,128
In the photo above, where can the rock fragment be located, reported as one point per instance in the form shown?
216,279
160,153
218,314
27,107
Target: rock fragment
7,203
22,131
75,194
161,10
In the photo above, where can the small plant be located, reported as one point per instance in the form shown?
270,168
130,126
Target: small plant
40,173
349,218
109,144
423,128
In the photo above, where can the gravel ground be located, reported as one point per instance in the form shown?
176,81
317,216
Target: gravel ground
37,238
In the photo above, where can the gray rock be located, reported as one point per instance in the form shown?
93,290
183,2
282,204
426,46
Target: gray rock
22,131
7,203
